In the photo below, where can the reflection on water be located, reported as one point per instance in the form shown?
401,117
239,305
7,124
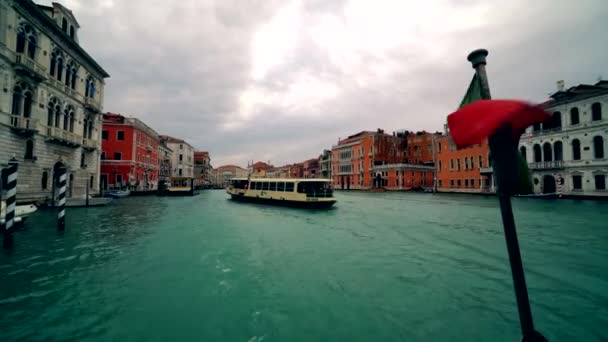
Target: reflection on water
376,267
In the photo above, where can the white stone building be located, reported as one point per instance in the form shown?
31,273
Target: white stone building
182,159
51,94
569,154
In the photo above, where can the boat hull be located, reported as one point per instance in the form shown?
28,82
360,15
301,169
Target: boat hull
283,202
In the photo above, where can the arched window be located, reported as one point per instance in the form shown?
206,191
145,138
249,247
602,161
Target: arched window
522,150
70,117
22,100
537,153
64,25
54,112
74,72
85,127
598,147
29,150
556,120
45,180
574,116
576,149
547,152
26,40
558,150
60,67
68,74
66,119
480,161
596,111
71,31
90,133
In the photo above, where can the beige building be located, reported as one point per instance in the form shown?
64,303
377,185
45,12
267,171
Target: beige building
221,175
51,100
182,159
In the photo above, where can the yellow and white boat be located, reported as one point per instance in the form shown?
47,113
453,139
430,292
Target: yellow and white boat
294,192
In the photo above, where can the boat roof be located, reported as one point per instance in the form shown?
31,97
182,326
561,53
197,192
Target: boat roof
284,179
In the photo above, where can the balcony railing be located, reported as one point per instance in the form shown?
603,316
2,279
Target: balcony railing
546,165
546,131
486,170
62,136
89,144
32,67
92,103
25,125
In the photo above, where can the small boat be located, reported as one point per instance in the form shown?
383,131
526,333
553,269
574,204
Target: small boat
21,212
82,202
116,194
296,192
178,186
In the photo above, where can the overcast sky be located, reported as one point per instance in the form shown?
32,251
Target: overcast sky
281,80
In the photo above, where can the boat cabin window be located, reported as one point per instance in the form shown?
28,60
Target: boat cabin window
289,187
273,186
265,186
258,185
239,183
315,189
281,186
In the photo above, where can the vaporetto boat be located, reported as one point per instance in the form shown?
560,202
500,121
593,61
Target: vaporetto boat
293,192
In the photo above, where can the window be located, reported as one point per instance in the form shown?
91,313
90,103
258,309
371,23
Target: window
466,183
64,25
45,180
556,121
466,163
29,150
472,162
451,164
600,182
537,153
522,151
576,149
181,157
181,146
480,161
265,185
558,150
281,186
598,147
547,152
596,111
439,147
180,172
71,31
458,164
82,161
118,180
104,135
439,183
439,166
26,40
472,182
89,87
120,135
574,116
451,183
289,187
458,183
273,186
91,181
577,182
117,156
22,100
103,155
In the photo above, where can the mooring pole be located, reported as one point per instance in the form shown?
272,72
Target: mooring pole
61,199
87,193
11,198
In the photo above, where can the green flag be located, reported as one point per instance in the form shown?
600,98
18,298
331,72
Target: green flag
473,93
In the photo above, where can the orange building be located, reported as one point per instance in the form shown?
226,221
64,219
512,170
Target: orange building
465,170
420,148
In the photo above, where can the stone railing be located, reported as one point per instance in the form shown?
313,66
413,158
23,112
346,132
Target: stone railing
26,62
63,135
555,164
89,143
91,102
27,124
546,131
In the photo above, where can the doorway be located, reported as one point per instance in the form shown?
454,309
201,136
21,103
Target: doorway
549,185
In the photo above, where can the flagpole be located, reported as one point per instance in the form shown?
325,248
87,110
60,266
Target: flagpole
503,148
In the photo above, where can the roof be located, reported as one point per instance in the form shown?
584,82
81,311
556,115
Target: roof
284,179
261,165
201,153
37,12
67,11
577,93
174,140
114,118
229,167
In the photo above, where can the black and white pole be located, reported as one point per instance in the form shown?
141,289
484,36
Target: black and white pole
61,200
11,198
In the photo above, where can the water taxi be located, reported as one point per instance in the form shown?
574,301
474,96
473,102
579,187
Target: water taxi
301,193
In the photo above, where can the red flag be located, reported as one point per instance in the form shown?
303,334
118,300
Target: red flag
474,122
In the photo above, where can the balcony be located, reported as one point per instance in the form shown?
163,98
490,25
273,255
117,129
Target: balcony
149,147
485,170
68,90
92,104
24,126
63,137
547,165
546,131
29,67
89,144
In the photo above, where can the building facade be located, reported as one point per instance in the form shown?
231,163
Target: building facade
51,103
259,169
354,158
464,170
129,157
182,158
311,168
325,164
165,155
221,176
568,154
202,167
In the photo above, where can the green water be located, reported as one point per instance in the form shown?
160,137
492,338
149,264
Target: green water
378,267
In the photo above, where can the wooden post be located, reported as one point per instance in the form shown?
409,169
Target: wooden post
61,200
87,193
11,198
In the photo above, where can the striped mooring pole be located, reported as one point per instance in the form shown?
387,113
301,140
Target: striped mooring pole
11,194
61,199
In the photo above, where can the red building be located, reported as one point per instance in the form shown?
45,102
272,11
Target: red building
311,168
129,157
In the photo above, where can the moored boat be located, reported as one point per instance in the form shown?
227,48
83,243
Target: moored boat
301,193
21,212
117,194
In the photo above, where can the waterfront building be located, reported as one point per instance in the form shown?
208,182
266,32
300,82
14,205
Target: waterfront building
182,158
259,169
354,158
165,155
221,176
465,170
325,160
404,176
202,167
310,168
53,94
129,157
568,154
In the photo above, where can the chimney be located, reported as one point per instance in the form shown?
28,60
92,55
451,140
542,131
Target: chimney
560,85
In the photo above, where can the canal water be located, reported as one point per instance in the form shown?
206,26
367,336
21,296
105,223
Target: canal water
378,267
